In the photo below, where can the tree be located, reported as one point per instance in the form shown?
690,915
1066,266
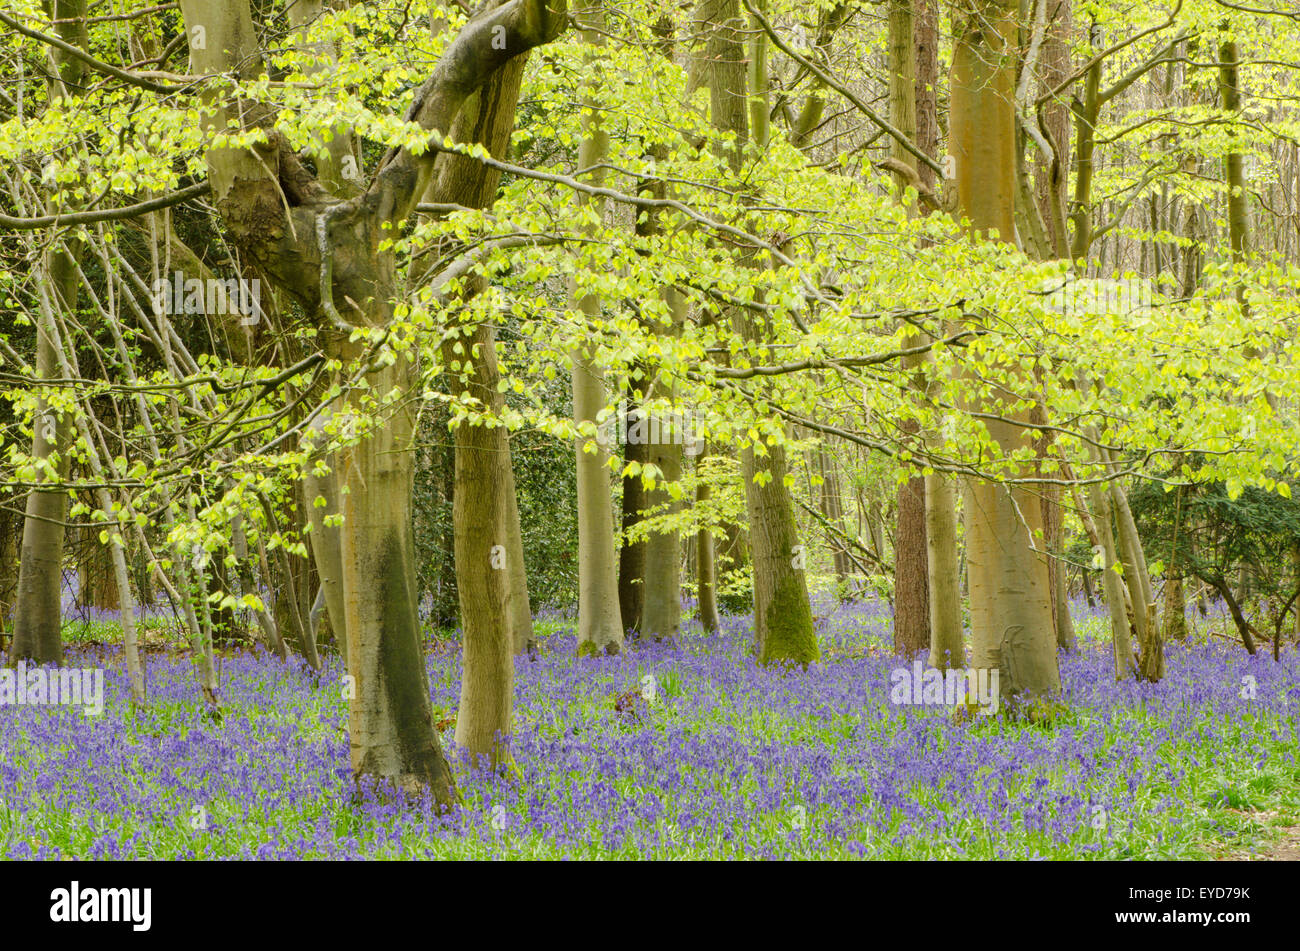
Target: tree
1011,620
38,609
783,628
911,563
326,254
600,628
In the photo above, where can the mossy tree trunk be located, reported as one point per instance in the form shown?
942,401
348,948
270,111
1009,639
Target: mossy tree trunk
324,251
489,547
783,625
38,614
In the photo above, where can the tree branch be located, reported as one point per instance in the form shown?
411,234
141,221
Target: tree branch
98,66
106,214
482,46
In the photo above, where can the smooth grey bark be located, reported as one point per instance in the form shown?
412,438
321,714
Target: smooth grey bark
338,164
1113,586
484,717
706,562
38,611
600,626
783,625
662,604
1098,524
631,556
943,567
484,509
1011,618
520,609
320,489
326,253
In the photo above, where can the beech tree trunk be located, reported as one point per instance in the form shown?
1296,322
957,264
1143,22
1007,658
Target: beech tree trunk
482,577
1051,176
38,614
325,252
320,489
631,557
783,625
1234,170
662,607
390,724
1011,615
1136,577
600,626
521,609
706,562
1112,583
911,560
943,566
832,509
489,547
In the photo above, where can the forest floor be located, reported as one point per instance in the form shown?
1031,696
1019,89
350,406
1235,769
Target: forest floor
1280,837
691,751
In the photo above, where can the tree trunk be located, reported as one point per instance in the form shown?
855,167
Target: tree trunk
390,723
832,509
1112,583
330,253
38,615
1086,112
783,626
489,547
114,520
1138,580
911,562
947,634
1054,540
1011,615
911,571
521,609
1051,176
1175,607
338,163
9,535
943,567
600,628
661,610
1234,170
320,489
706,565
631,557
482,576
